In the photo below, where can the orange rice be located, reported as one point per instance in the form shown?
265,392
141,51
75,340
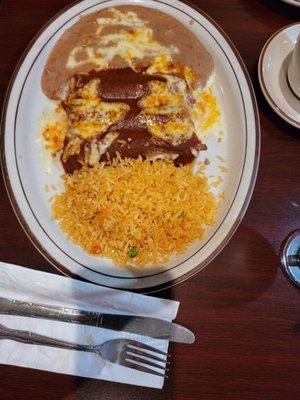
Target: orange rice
155,208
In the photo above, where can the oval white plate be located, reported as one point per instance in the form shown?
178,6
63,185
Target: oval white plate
272,73
295,3
26,178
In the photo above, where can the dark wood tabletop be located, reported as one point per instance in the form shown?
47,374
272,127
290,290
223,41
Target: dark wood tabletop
244,312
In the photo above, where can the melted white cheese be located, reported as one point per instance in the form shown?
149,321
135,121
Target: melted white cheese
89,115
137,43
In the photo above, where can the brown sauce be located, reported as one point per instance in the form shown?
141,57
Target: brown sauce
134,140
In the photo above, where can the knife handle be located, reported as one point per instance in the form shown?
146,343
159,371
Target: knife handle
64,314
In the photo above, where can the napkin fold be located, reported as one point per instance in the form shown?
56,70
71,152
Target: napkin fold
30,285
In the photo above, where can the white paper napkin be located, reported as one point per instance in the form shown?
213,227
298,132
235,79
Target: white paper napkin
29,285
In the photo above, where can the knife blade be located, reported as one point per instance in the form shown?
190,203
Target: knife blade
145,326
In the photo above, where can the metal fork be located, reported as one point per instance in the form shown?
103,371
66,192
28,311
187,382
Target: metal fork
126,352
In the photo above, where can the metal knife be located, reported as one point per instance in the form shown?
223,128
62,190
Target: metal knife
152,327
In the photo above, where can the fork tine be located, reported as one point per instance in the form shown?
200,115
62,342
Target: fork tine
138,352
144,346
143,369
131,357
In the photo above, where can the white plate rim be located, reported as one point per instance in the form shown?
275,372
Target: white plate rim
245,203
295,3
262,83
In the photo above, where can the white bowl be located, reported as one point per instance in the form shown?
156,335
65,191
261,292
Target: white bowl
272,73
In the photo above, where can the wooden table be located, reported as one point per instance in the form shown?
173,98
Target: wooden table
244,312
